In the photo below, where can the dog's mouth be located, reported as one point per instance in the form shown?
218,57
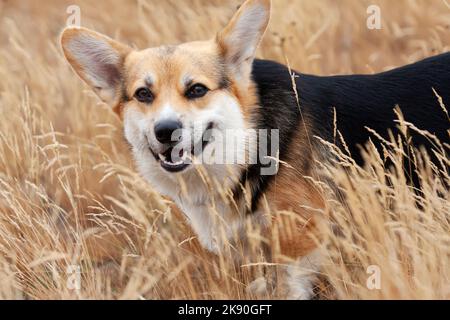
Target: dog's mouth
174,159
168,163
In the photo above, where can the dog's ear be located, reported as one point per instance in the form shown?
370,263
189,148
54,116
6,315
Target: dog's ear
97,59
239,41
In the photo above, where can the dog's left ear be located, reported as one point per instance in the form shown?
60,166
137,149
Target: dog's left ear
239,41
98,60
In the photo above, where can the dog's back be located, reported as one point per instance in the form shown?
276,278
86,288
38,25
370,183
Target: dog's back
359,101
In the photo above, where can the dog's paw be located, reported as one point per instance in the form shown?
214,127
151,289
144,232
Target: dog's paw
302,277
258,287
301,289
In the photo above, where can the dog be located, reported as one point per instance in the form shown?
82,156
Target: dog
177,103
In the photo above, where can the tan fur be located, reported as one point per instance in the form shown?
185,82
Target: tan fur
292,192
169,67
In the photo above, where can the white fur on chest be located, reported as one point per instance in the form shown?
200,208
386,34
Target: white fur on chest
210,218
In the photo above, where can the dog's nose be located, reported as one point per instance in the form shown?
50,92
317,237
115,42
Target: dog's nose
165,129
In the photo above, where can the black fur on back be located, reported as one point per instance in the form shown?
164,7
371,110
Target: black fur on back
360,101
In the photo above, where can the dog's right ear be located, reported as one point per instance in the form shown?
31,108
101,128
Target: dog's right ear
97,59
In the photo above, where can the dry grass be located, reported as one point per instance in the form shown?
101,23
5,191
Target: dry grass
69,194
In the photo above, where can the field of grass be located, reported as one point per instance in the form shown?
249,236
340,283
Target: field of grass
71,197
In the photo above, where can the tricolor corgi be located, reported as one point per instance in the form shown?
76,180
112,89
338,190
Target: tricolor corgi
179,104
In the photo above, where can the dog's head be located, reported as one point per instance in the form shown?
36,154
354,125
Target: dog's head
171,98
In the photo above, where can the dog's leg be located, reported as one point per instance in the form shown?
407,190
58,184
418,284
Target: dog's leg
302,276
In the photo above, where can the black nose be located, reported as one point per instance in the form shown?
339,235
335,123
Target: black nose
165,129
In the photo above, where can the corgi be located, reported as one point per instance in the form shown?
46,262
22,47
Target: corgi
178,102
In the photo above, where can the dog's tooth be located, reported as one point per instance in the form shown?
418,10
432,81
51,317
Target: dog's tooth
162,157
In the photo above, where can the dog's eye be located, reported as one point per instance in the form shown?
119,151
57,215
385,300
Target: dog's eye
144,95
196,91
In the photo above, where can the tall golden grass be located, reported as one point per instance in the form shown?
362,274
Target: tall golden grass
69,194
